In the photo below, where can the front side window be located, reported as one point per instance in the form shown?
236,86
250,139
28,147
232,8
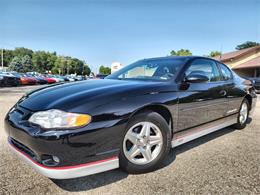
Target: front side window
226,73
157,70
204,67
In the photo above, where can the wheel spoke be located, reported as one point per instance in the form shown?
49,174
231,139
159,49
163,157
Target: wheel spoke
134,151
147,153
131,136
154,140
145,131
241,119
243,113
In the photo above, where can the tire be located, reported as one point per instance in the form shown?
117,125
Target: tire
241,124
157,141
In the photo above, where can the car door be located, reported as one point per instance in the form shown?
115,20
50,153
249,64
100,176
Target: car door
233,96
203,102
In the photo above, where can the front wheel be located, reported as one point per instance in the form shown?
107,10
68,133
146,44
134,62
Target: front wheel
146,143
242,115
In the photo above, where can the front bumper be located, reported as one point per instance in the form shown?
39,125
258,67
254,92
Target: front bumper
88,150
68,172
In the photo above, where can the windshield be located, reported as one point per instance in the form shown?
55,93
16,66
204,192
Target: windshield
157,70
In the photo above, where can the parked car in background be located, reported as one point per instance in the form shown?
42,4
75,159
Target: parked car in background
49,79
256,83
41,80
80,78
29,79
33,78
69,78
130,119
101,76
22,80
7,79
57,78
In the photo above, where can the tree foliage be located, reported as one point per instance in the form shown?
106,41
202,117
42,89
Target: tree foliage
21,52
181,52
214,53
16,64
8,56
25,60
26,63
104,70
247,44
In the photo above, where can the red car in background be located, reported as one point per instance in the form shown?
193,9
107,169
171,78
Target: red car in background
27,80
24,79
50,80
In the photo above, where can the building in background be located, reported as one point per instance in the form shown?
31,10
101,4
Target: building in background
245,62
115,66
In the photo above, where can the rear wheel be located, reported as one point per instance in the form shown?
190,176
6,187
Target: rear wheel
243,115
146,143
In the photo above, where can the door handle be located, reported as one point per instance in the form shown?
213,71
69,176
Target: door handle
223,93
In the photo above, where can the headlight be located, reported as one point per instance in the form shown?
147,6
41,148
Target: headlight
59,119
1,77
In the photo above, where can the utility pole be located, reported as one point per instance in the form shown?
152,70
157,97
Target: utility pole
2,58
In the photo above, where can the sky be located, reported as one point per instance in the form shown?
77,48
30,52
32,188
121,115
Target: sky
103,31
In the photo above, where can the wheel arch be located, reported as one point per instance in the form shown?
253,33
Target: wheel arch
158,108
249,99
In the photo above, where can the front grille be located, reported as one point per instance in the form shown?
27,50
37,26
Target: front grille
23,148
19,111
24,113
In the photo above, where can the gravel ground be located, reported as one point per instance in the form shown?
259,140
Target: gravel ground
224,162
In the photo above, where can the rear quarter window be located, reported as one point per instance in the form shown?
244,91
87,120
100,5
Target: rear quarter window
226,73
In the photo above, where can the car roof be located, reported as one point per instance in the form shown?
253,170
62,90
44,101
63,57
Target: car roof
176,57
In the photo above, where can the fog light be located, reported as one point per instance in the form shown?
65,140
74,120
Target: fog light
56,159
50,160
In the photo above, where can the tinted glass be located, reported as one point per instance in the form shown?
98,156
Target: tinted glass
149,70
205,67
226,73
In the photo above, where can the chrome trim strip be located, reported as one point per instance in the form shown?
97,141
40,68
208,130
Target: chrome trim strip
232,111
194,133
68,173
201,106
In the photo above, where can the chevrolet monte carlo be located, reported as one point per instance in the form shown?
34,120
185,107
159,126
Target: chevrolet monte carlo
130,119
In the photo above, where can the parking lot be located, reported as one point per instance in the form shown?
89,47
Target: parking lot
224,162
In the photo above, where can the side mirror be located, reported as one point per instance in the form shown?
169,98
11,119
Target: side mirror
196,78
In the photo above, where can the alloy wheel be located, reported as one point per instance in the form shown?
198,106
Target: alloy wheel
243,113
142,143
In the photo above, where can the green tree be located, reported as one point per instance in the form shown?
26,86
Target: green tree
86,69
104,70
43,61
247,44
51,58
16,64
21,52
26,64
8,56
181,52
39,60
214,53
23,59
59,65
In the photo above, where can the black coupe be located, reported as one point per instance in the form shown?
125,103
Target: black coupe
130,119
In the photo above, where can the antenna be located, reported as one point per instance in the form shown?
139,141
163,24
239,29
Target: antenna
221,51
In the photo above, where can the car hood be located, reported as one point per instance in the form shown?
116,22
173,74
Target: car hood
90,92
